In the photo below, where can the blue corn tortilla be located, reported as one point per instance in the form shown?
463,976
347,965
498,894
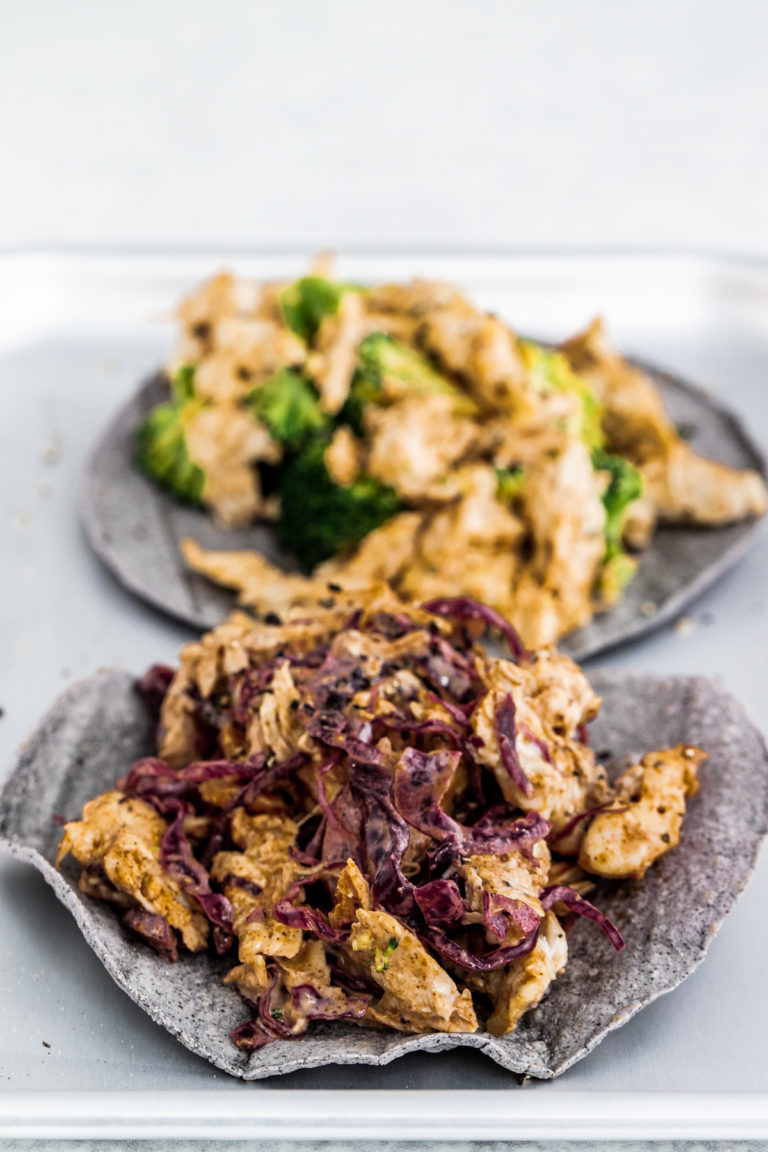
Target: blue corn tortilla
100,726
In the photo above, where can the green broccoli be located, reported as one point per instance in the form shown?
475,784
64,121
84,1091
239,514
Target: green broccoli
289,406
380,356
318,517
553,370
183,383
624,487
509,483
161,447
307,301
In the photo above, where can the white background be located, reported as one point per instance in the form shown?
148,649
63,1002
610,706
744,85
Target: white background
429,122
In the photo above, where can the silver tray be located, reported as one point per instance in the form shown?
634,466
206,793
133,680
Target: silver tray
77,1058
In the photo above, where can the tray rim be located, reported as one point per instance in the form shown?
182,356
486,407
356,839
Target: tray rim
424,1114
693,253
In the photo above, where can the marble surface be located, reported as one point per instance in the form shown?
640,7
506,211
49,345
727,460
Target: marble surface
390,1146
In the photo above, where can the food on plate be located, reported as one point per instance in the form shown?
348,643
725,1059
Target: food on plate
375,818
398,433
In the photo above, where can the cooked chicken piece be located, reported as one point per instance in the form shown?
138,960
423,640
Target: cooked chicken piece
256,349
220,377
94,883
487,564
344,456
265,871
686,487
381,555
683,485
567,873
521,986
625,844
562,774
481,350
223,295
416,298
634,417
251,979
352,892
414,443
225,441
639,522
122,836
543,430
418,995
333,362
277,727
561,693
511,875
265,586
103,818
134,868
257,932
561,502
306,977
219,653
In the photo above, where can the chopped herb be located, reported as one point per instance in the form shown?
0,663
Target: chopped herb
381,959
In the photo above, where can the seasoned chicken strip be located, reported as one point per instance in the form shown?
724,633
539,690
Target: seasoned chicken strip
682,485
253,880
625,843
332,364
512,876
415,442
352,892
562,774
522,985
418,995
225,441
123,836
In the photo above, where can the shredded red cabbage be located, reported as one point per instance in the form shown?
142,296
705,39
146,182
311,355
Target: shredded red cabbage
489,961
178,860
499,912
463,608
440,903
506,734
153,930
561,894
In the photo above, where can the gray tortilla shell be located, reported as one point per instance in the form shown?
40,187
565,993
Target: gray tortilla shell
136,528
99,727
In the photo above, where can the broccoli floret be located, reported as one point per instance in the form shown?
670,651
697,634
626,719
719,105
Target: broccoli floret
614,576
318,517
509,483
307,301
624,487
183,383
289,406
553,370
161,448
380,356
